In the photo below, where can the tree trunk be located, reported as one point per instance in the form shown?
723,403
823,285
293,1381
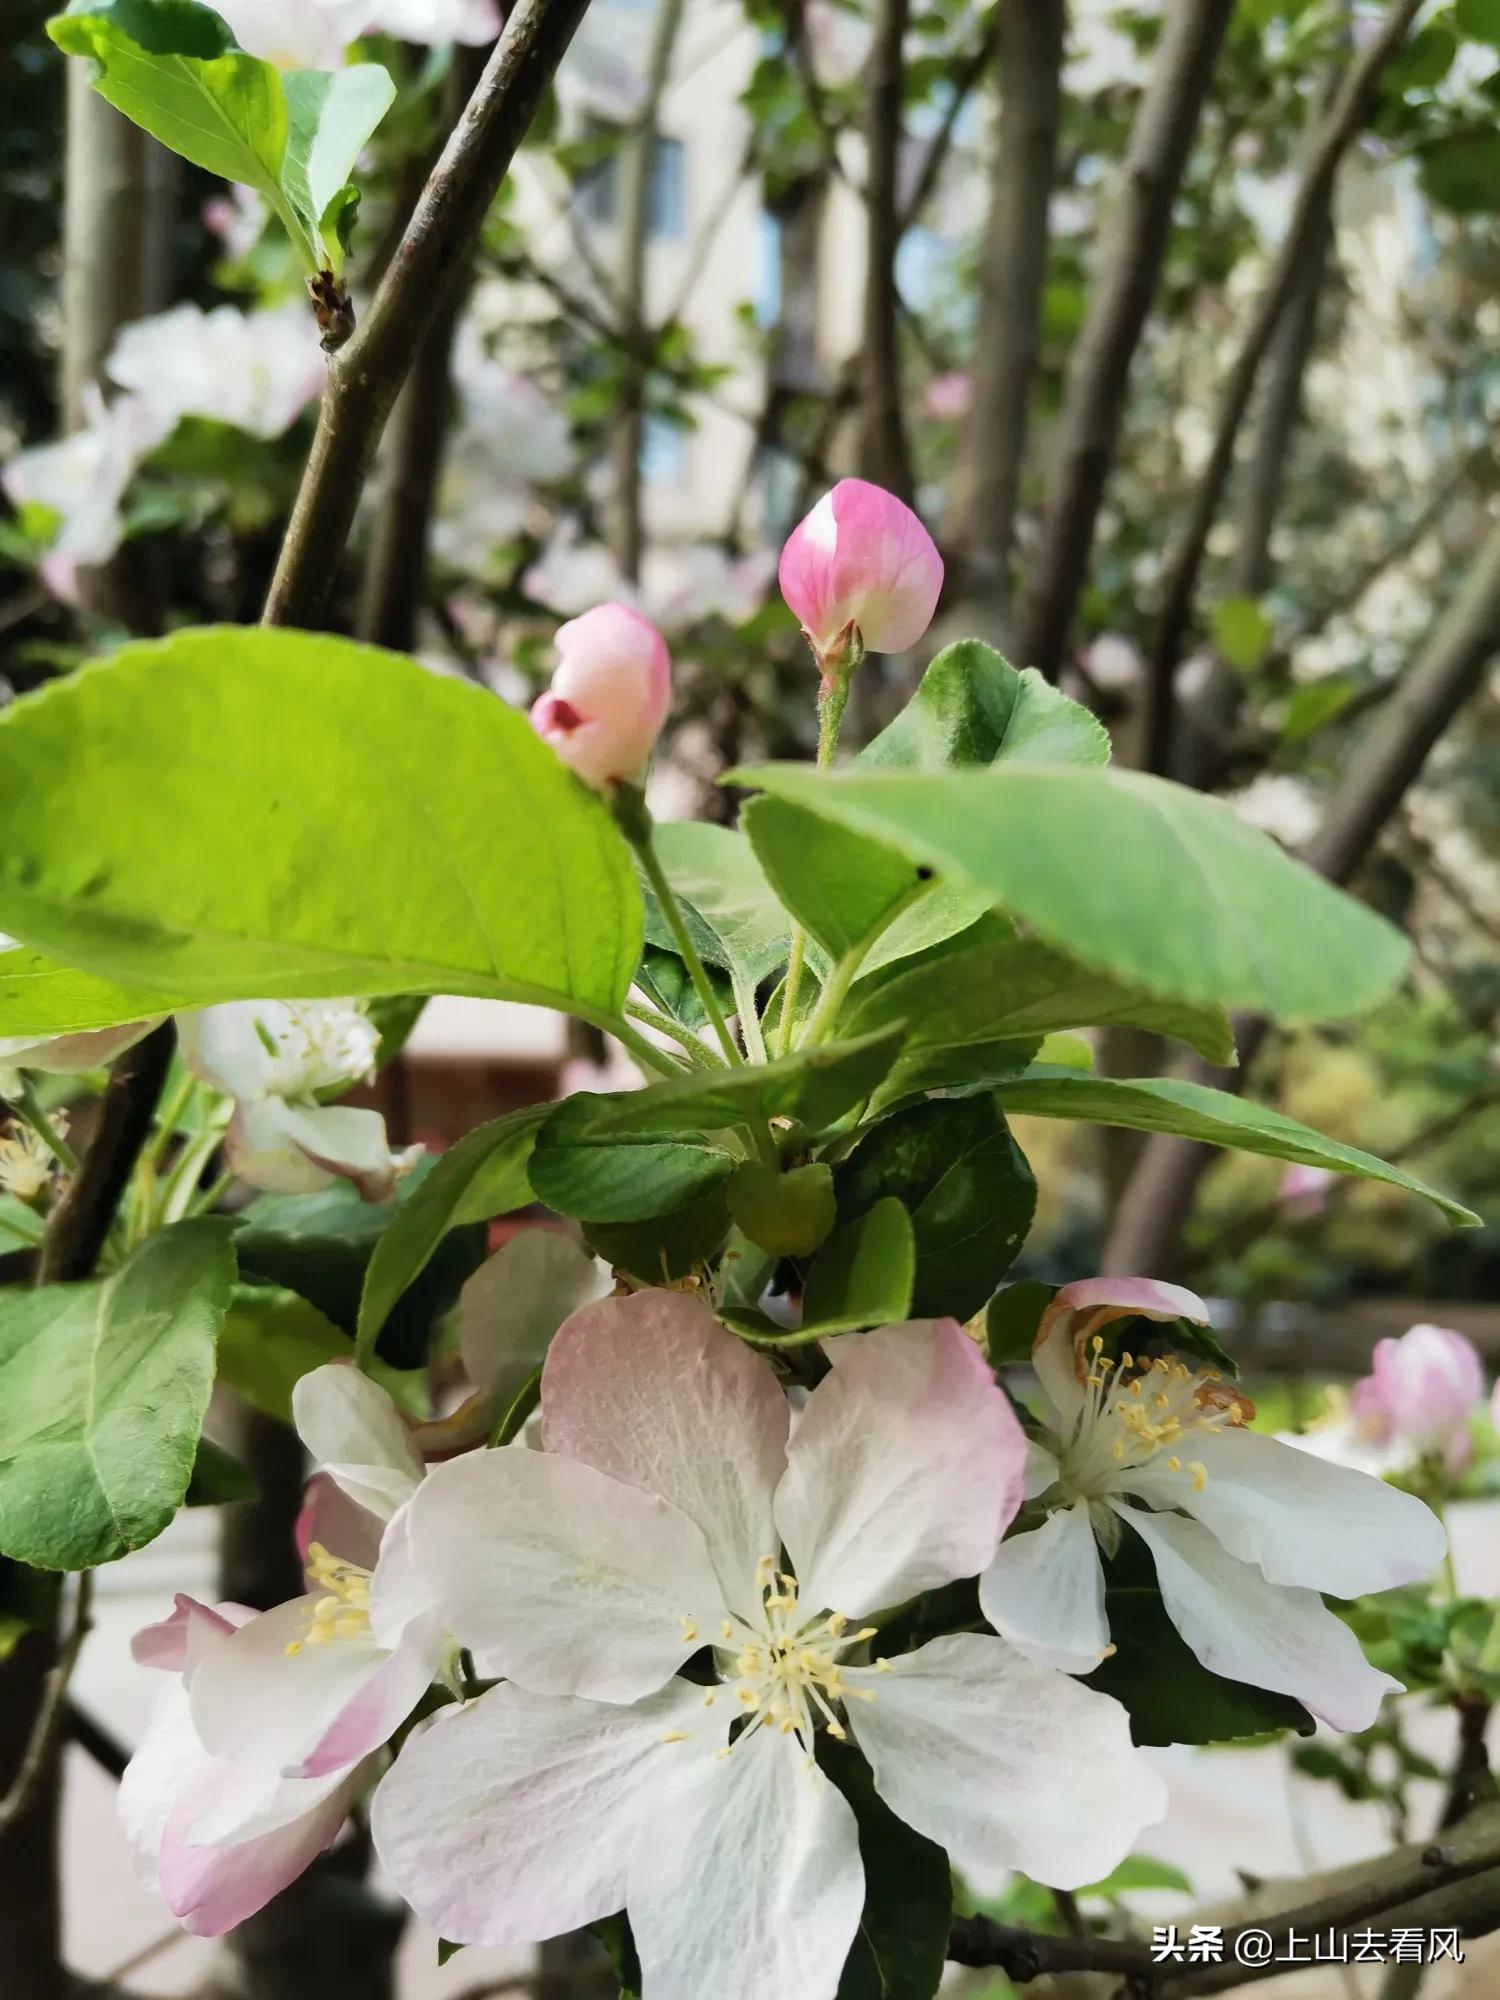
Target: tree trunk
1013,262
883,454
30,1891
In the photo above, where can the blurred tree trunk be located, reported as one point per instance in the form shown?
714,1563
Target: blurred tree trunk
986,486
883,453
637,162
30,1889
119,216
1134,243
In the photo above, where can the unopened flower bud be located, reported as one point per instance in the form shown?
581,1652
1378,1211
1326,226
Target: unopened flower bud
1424,1389
861,562
609,696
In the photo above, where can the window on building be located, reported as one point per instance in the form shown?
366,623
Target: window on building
663,452
598,195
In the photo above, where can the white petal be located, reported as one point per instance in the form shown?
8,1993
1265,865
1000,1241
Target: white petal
904,1469
222,1046
1045,1592
1005,1763
262,1148
561,1578
1308,1522
358,1436
1270,1635
514,1818
750,1882
171,1760
515,1302
214,1888
347,1141
1052,1359
653,1391
1041,1469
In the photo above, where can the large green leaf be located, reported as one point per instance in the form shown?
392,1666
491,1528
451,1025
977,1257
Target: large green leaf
231,812
740,925
174,68
625,1177
966,1010
901,1946
1164,888
103,1391
864,1274
1193,1111
20,1227
813,1087
39,997
484,1175
954,1167
972,707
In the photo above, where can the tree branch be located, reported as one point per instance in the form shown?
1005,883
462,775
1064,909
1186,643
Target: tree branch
1012,269
365,376
1147,1229
883,454
77,1227
1345,119
1136,240
47,1728
964,82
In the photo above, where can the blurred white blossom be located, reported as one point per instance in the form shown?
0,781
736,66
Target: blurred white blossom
257,371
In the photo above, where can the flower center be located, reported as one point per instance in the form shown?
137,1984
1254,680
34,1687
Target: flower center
317,1045
26,1166
788,1671
1137,1412
343,1611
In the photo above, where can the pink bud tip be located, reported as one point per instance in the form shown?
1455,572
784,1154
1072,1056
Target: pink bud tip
609,694
1424,1389
861,557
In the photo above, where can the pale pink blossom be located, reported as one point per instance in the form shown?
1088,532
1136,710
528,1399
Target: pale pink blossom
1304,1189
66,1055
609,695
276,1058
313,34
861,562
238,218
948,397
1425,1390
1243,1530
274,1722
649,1528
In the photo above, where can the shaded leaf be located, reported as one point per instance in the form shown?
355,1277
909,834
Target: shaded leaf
863,1276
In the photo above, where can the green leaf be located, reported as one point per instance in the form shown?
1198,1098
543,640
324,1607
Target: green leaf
664,1247
1479,20
232,811
1192,1111
218,1480
1137,1872
173,68
484,1175
270,1339
622,1177
789,1214
1242,632
863,1276
20,1227
972,707
812,1087
901,1946
741,926
1011,1320
38,997
1461,171
1164,888
970,1004
103,1391
955,1168
1169,1695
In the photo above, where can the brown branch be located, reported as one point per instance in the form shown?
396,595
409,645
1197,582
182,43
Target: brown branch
47,1728
396,568
962,85
1345,119
1130,269
78,1225
1012,270
1147,1228
365,377
884,455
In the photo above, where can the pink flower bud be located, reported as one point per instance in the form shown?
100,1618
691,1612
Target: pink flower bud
1424,1389
609,695
861,559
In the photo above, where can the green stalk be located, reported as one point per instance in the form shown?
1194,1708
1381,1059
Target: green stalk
833,699
634,821
844,974
29,1106
692,1048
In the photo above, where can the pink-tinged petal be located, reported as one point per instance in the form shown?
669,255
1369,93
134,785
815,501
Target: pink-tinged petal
1145,1298
166,1643
861,558
382,1703
1044,1592
1080,1310
557,1576
609,695
655,1392
345,1141
358,1436
515,1818
169,1765
1266,1634
1305,1521
1426,1387
251,1699
750,1882
70,1055
903,1471
337,1523
211,1889
514,1303
260,1147
1007,1764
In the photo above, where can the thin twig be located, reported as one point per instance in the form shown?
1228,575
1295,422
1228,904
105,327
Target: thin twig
47,1729
77,1227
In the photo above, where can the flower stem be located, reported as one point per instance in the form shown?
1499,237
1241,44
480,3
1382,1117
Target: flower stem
846,971
687,1041
634,821
29,1105
833,699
